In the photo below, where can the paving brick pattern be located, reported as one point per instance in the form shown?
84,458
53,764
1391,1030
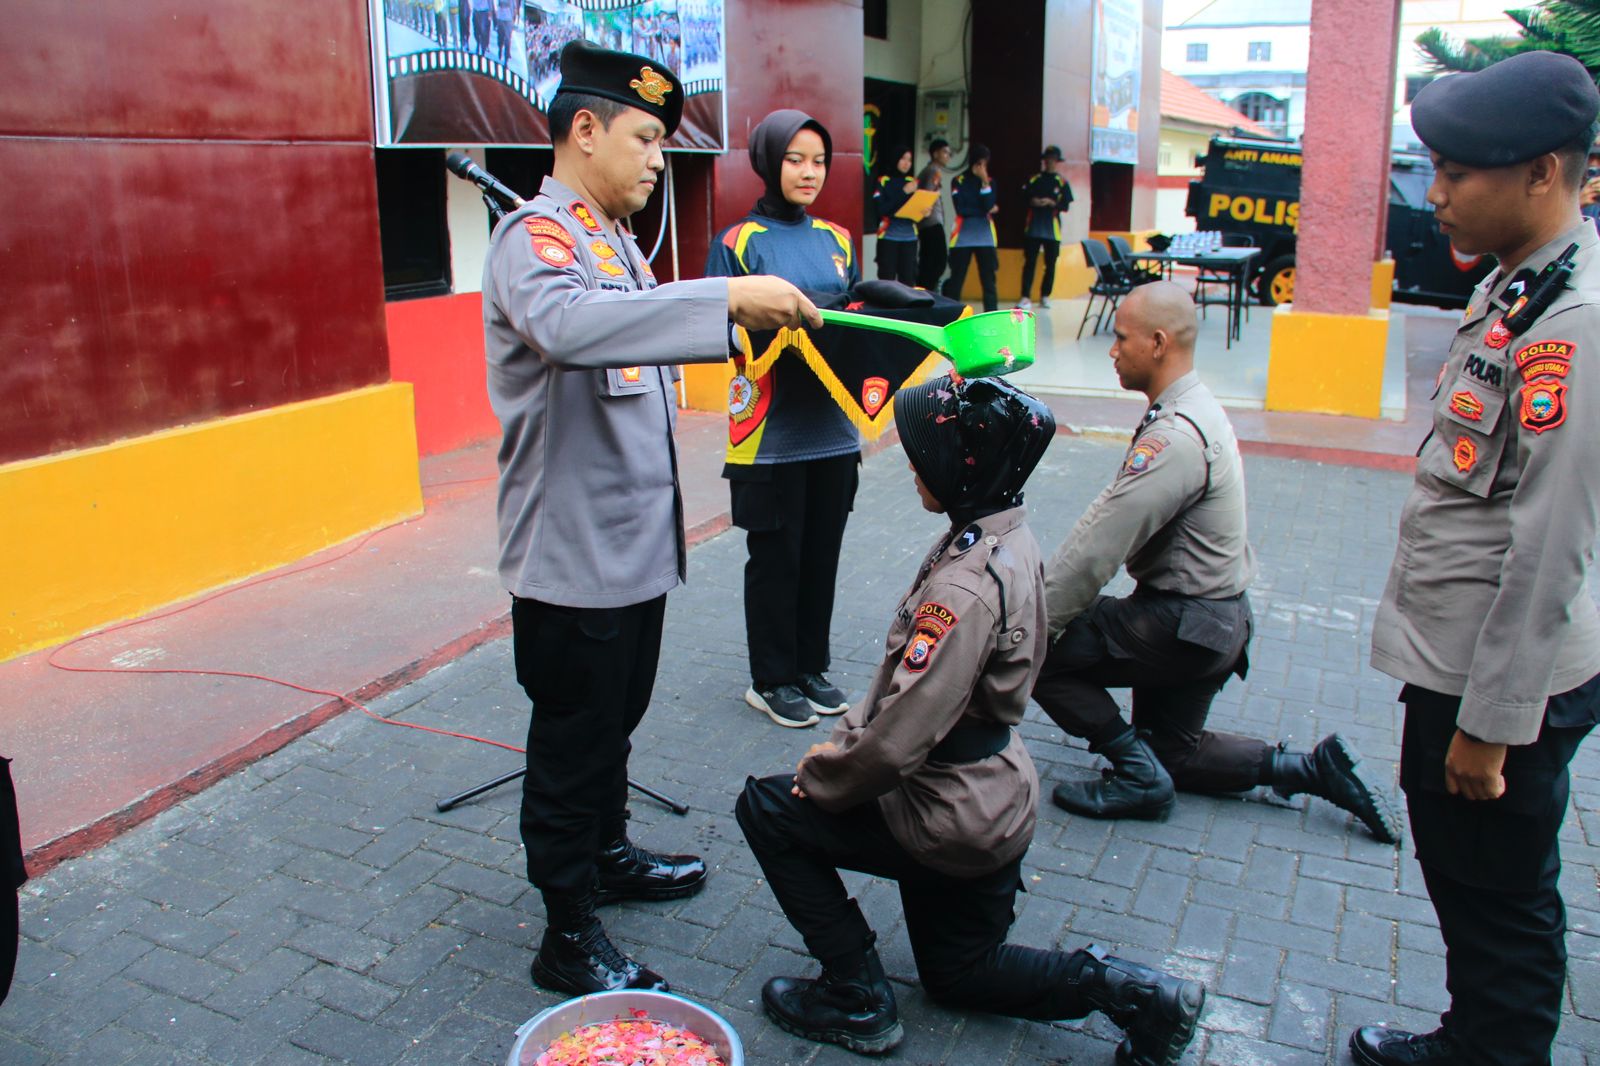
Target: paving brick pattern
315,908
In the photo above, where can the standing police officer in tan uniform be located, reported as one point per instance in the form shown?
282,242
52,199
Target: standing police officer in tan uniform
580,344
1175,515
1488,618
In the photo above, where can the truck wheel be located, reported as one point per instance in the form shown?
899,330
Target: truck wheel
1277,281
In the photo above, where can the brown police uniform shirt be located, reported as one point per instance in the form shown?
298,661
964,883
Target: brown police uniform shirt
1488,594
967,642
1175,514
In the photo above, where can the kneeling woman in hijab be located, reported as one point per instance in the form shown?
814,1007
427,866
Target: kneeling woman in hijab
793,455
926,781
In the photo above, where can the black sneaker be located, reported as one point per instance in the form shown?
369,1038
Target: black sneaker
784,704
822,694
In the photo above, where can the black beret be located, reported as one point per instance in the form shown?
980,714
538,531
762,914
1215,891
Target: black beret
1051,152
1510,112
635,80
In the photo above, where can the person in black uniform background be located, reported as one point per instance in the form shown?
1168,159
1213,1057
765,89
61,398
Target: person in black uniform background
1487,619
972,196
1048,195
897,237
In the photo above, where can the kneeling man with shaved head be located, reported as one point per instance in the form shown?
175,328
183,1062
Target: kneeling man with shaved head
1175,516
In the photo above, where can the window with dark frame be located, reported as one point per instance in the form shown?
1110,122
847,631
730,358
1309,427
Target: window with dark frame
411,222
1260,52
1196,53
1414,84
875,19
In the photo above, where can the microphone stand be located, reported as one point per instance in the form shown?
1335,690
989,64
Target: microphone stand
501,201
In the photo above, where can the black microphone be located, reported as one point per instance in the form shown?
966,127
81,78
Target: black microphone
462,166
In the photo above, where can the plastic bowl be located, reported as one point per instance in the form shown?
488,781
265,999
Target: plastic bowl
534,1035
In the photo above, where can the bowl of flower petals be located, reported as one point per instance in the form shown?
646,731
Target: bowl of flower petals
627,1028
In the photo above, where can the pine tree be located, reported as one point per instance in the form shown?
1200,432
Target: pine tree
1568,26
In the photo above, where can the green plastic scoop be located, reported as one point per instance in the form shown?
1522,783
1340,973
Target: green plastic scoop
996,342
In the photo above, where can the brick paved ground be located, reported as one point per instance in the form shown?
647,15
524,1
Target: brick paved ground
315,908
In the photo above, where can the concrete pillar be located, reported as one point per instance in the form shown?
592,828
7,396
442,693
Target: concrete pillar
1328,346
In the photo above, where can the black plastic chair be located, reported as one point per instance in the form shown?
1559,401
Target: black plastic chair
1109,284
1122,256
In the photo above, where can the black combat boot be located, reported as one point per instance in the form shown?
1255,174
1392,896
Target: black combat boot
628,871
855,1009
1136,785
1155,1011
577,958
1377,1045
1328,771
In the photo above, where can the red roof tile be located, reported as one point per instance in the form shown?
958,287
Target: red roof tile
1182,99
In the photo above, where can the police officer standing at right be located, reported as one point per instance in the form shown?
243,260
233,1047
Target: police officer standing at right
1487,617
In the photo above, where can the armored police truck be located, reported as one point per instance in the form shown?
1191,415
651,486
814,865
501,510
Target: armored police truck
1251,189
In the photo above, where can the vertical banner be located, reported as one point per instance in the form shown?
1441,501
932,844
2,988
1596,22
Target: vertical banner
1114,120
483,72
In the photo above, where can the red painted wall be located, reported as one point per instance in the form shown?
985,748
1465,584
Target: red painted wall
193,228
437,345
806,54
1344,192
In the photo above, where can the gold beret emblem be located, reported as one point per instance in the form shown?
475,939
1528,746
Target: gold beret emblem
650,86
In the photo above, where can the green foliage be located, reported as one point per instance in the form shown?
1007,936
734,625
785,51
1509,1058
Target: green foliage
1568,26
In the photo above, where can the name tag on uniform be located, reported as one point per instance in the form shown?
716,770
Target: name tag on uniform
628,381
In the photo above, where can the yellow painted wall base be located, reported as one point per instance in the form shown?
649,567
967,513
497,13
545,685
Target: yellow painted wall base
113,532
705,386
1328,364
1073,275
1382,284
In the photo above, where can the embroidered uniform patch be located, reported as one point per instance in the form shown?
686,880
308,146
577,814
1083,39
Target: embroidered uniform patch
932,622
552,252
874,394
585,217
602,249
545,227
1544,404
1498,336
1139,459
1466,404
936,614
1465,455
1541,350
967,538
607,267
630,374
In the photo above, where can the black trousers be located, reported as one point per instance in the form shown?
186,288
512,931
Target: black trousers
957,925
932,255
1491,869
897,261
795,520
12,876
1032,247
988,265
1135,643
589,672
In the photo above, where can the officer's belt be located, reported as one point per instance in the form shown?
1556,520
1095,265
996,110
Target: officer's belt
970,741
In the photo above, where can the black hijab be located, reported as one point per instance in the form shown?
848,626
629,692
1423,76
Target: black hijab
973,443
768,143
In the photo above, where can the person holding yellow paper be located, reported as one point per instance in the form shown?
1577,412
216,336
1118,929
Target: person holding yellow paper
897,234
